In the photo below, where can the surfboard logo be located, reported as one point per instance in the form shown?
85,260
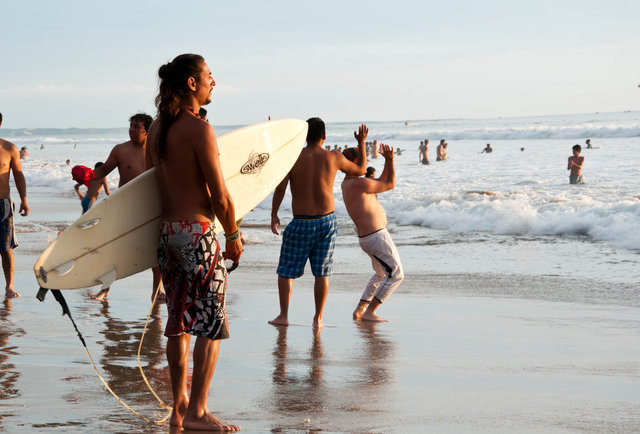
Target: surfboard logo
255,163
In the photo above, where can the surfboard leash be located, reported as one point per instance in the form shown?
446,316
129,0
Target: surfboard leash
65,311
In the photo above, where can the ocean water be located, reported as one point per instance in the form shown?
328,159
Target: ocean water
509,212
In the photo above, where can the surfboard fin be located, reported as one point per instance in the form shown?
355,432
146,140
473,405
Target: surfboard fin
107,278
64,268
89,224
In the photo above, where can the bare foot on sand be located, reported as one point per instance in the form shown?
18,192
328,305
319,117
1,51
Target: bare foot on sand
357,314
280,320
177,415
208,422
102,295
317,323
10,293
368,316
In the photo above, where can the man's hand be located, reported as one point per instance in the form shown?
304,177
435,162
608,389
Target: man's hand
275,221
233,250
24,208
362,133
386,151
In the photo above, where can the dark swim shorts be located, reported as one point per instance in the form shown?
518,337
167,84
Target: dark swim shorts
194,278
308,237
8,239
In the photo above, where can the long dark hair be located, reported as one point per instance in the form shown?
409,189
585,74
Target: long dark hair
173,86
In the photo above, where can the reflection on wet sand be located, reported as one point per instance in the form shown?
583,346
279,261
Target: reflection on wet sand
8,373
315,391
298,393
119,362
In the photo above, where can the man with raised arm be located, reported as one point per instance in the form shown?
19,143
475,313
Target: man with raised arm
10,164
184,151
312,232
128,157
367,213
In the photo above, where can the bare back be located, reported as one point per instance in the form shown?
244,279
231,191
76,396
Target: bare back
184,196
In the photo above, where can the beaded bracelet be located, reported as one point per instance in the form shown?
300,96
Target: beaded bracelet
234,236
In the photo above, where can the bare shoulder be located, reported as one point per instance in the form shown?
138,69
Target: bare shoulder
8,147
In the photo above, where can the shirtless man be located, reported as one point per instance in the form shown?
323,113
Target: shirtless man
312,232
184,150
441,151
10,163
128,157
575,166
423,154
367,213
93,191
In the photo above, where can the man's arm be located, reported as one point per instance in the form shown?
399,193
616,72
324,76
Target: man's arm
18,178
221,201
387,180
108,166
569,164
278,195
106,187
359,167
77,189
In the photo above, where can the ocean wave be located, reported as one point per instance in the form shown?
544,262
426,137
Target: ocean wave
618,223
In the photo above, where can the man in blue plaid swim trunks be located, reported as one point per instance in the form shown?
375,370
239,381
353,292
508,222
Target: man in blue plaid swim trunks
312,232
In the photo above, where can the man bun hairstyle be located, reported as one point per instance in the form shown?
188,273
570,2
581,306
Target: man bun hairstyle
173,86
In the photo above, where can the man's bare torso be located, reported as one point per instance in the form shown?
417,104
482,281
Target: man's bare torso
185,197
130,161
363,208
7,150
311,180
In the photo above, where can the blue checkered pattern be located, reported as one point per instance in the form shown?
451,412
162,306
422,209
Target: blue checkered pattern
308,239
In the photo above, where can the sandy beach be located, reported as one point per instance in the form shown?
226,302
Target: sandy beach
455,357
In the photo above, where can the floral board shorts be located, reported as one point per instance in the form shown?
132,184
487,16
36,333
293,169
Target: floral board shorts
194,278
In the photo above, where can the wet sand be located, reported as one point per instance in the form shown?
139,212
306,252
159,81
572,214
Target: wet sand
455,357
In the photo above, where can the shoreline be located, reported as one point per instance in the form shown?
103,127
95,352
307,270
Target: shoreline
449,360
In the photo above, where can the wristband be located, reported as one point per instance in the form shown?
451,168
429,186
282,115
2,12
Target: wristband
233,236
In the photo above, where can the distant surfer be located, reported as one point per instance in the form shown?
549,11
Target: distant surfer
488,149
370,218
93,190
588,143
10,164
128,157
184,151
575,166
423,151
312,232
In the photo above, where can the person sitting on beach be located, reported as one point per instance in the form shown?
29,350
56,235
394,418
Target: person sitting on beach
312,232
575,166
588,143
423,154
370,218
441,151
10,164
184,150
93,191
128,157
487,149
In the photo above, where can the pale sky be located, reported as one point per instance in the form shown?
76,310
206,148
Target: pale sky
93,64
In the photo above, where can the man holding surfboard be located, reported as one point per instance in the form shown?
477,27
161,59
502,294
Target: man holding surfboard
129,158
312,232
184,151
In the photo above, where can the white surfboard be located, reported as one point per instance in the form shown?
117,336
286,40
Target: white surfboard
119,236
